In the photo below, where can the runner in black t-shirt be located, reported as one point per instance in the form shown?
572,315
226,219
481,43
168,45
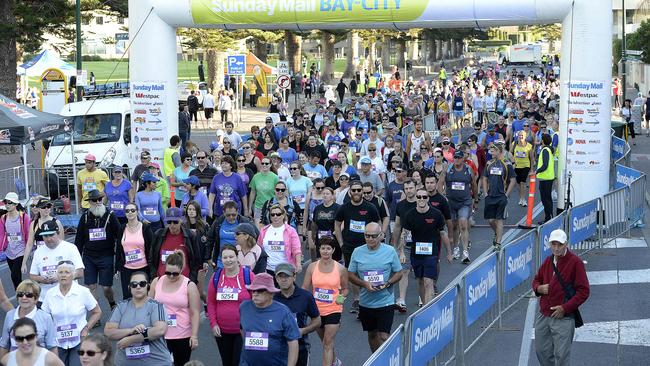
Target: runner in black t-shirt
379,203
403,243
322,224
353,216
425,224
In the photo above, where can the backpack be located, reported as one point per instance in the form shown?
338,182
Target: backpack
217,275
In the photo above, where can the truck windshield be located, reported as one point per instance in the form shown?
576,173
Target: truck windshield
92,128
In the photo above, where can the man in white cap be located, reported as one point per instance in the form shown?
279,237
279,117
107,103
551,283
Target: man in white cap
562,285
90,178
269,328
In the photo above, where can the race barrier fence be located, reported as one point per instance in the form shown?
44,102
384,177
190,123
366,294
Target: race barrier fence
444,330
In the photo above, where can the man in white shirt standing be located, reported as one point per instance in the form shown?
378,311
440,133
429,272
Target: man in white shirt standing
47,258
208,106
234,137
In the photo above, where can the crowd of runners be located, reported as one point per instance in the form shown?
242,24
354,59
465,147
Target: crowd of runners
368,188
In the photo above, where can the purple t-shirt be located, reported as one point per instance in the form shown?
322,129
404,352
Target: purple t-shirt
227,189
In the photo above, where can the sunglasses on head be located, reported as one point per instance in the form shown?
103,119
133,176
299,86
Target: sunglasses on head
28,338
28,295
90,353
136,284
172,274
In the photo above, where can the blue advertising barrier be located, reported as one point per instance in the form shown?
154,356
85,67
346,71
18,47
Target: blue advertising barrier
432,328
481,289
582,222
618,148
518,263
545,232
625,176
391,352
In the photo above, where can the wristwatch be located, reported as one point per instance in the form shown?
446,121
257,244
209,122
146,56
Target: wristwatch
145,334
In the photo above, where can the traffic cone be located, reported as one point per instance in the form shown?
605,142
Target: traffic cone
531,203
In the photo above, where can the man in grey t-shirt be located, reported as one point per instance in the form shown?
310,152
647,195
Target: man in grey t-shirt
366,175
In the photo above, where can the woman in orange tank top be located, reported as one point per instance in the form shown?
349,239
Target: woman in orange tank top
328,281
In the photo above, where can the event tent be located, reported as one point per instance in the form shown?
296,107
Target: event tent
45,60
21,125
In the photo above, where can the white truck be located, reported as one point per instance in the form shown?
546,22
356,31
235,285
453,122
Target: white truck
102,127
522,54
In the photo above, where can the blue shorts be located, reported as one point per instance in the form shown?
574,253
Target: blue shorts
425,266
98,266
459,114
462,213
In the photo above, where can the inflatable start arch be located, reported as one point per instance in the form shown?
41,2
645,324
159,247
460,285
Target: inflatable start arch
585,108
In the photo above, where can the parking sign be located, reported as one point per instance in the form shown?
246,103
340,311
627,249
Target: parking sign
236,65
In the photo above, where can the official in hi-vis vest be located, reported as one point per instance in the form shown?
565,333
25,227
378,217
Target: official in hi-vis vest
546,176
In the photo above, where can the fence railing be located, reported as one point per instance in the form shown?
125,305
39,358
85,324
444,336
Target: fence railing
444,330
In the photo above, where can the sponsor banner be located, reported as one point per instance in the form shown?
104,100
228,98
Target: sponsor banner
588,123
625,176
257,12
148,111
545,232
618,147
432,328
481,289
391,352
582,222
518,261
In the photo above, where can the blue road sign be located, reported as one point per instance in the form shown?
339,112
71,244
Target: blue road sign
236,65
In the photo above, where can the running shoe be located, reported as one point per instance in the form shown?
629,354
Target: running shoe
401,307
469,244
496,247
337,362
354,309
456,254
524,204
466,257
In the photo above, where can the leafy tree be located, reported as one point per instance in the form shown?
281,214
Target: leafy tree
549,32
261,39
640,40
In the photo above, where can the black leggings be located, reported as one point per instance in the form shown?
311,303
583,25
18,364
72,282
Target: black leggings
229,348
180,349
16,273
630,128
224,115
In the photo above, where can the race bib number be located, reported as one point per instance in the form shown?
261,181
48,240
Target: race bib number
324,295
300,199
49,271
89,186
324,233
171,320
520,154
137,351
119,206
150,211
165,254
457,186
227,294
67,333
223,201
423,248
496,171
357,226
15,239
376,278
97,234
276,246
134,256
256,341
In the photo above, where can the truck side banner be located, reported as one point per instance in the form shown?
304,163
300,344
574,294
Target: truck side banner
350,11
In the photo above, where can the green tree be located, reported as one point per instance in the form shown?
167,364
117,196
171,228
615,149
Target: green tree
640,40
261,39
549,32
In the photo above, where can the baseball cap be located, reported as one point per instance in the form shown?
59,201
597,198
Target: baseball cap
417,157
145,154
557,235
365,160
148,177
12,197
90,157
154,165
193,180
118,169
49,228
286,268
459,154
173,214
345,174
247,228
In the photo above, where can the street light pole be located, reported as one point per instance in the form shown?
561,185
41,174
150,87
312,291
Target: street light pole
623,47
78,55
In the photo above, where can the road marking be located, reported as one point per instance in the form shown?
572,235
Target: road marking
627,243
524,352
616,277
624,333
